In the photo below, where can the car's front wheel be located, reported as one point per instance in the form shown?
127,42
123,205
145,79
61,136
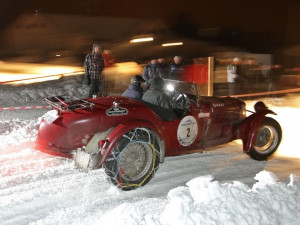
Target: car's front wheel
135,159
267,141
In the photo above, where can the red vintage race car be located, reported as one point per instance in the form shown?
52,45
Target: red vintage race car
130,138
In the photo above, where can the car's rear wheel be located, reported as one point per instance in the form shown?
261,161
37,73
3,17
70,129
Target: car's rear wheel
135,159
267,141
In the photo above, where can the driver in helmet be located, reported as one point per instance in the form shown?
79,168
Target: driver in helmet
135,89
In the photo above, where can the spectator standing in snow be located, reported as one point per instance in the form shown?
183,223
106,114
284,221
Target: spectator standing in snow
135,89
94,65
233,76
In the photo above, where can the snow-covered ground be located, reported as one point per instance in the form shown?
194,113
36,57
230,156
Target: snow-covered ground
220,186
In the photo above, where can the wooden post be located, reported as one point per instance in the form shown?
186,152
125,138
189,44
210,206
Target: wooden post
210,81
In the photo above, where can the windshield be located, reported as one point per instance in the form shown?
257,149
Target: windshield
183,87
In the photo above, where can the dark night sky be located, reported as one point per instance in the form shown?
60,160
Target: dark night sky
253,19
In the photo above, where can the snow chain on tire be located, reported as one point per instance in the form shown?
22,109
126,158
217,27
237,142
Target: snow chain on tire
135,159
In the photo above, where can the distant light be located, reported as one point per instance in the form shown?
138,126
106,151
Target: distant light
58,55
172,44
141,39
33,73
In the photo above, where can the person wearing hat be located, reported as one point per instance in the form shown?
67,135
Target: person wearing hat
94,65
233,73
150,71
135,89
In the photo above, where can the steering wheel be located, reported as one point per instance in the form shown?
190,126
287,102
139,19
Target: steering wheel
181,104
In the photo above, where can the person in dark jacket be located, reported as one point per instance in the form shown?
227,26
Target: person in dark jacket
159,101
163,68
135,89
150,71
94,65
156,95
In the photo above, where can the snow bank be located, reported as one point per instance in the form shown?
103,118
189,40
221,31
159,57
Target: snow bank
17,131
35,93
205,201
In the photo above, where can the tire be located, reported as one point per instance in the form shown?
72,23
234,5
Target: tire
135,159
267,141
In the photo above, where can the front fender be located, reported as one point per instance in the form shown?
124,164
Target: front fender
116,134
248,128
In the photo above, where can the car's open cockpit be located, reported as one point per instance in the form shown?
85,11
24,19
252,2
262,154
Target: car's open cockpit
182,87
181,94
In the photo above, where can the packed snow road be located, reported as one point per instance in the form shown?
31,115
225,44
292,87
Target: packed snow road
36,188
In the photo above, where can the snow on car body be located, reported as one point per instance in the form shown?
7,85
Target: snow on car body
129,138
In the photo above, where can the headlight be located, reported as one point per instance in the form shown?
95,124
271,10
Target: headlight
170,87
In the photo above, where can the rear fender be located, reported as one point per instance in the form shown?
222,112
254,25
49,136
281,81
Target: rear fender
93,145
117,133
248,128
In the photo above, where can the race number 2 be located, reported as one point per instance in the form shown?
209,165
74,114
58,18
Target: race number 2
187,131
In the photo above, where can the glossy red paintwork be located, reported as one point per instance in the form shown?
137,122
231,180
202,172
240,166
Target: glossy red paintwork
216,119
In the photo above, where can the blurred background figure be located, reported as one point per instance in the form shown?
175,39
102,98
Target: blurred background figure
150,71
252,76
94,65
176,68
234,76
109,59
135,89
163,68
